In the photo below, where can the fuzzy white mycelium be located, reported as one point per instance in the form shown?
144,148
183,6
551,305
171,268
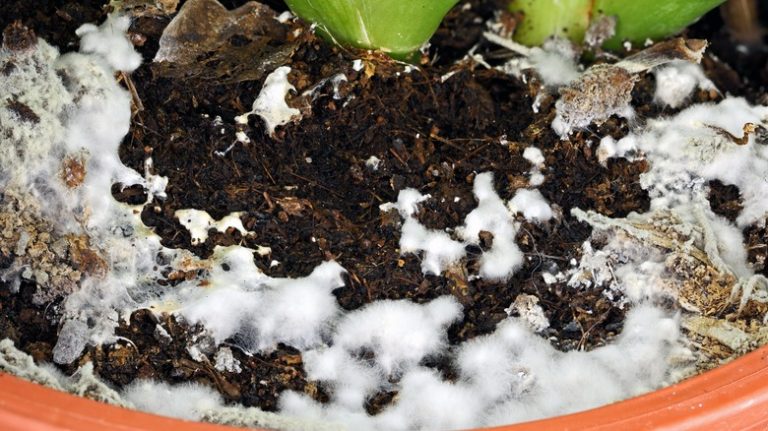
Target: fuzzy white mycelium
536,158
81,114
554,62
491,215
676,81
191,401
699,144
59,165
508,376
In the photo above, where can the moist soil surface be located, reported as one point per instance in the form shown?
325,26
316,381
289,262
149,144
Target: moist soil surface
308,193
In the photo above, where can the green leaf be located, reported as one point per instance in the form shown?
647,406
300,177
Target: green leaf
651,19
397,27
545,18
637,20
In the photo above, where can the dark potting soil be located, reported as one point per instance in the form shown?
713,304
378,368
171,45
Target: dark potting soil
308,194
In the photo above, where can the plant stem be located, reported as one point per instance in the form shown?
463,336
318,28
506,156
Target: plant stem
637,20
396,27
651,19
546,18
741,19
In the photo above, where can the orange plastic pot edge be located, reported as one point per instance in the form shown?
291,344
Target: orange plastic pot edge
26,406
731,397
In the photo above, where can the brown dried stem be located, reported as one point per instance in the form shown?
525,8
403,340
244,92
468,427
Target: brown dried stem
742,21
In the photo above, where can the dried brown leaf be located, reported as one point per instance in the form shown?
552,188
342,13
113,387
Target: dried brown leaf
294,206
145,8
208,42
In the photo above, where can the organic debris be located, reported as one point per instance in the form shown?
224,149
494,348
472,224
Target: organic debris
206,41
145,8
604,90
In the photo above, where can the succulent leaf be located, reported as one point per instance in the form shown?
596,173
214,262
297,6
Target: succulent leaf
637,20
397,27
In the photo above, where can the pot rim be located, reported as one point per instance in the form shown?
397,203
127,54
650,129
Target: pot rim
733,396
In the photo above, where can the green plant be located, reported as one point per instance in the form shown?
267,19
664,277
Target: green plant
636,20
396,27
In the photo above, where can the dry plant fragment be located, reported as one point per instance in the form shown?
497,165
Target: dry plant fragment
207,41
726,333
294,206
741,18
720,330
602,91
141,8
56,263
528,309
698,278
600,30
606,90
84,258
749,129
73,172
679,48
17,37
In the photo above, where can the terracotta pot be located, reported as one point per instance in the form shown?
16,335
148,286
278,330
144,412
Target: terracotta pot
732,397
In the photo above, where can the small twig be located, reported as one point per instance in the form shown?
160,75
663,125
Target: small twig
397,156
585,334
664,52
266,170
316,183
749,128
129,342
137,105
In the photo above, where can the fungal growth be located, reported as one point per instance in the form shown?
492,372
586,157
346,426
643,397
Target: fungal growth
452,223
